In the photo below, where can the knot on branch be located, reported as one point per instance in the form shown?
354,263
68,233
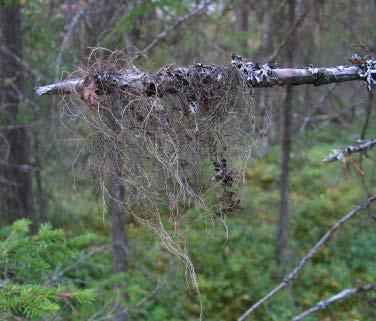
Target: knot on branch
257,76
368,72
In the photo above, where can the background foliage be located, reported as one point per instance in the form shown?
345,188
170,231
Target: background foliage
70,277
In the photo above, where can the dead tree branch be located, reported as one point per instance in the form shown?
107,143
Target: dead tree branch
290,32
341,154
313,251
21,62
70,30
339,296
175,25
166,81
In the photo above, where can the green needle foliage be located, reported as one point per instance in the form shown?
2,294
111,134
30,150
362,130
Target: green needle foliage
29,283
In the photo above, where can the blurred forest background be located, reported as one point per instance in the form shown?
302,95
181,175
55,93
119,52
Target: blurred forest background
67,270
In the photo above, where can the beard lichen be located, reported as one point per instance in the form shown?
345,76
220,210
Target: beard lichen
163,136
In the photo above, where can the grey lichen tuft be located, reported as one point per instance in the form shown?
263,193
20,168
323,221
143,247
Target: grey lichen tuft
368,72
257,76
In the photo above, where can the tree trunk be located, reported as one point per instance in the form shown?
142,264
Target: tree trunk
242,13
266,125
15,163
119,242
282,228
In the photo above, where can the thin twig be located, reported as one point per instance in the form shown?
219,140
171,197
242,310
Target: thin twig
290,32
368,115
180,20
294,273
140,303
21,62
339,296
341,154
71,27
320,102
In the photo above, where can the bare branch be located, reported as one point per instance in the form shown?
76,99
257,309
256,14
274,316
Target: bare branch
339,296
180,20
255,76
65,87
320,102
70,30
294,273
290,32
21,62
341,154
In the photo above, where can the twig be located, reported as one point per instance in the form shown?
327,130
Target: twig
180,20
21,62
294,273
341,154
67,87
71,27
289,34
308,118
150,295
140,303
339,296
368,115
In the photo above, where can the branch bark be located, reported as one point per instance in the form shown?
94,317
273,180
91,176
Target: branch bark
339,296
313,251
341,154
255,76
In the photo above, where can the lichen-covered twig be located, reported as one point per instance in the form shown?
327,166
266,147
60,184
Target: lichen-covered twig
341,154
294,273
167,80
339,296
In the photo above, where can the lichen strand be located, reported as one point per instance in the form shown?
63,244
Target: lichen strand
178,122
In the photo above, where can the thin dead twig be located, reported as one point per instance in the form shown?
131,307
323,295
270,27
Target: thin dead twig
313,251
21,62
339,296
180,20
290,32
320,102
71,27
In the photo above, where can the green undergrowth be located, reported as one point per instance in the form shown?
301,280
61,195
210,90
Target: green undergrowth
235,262
234,272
